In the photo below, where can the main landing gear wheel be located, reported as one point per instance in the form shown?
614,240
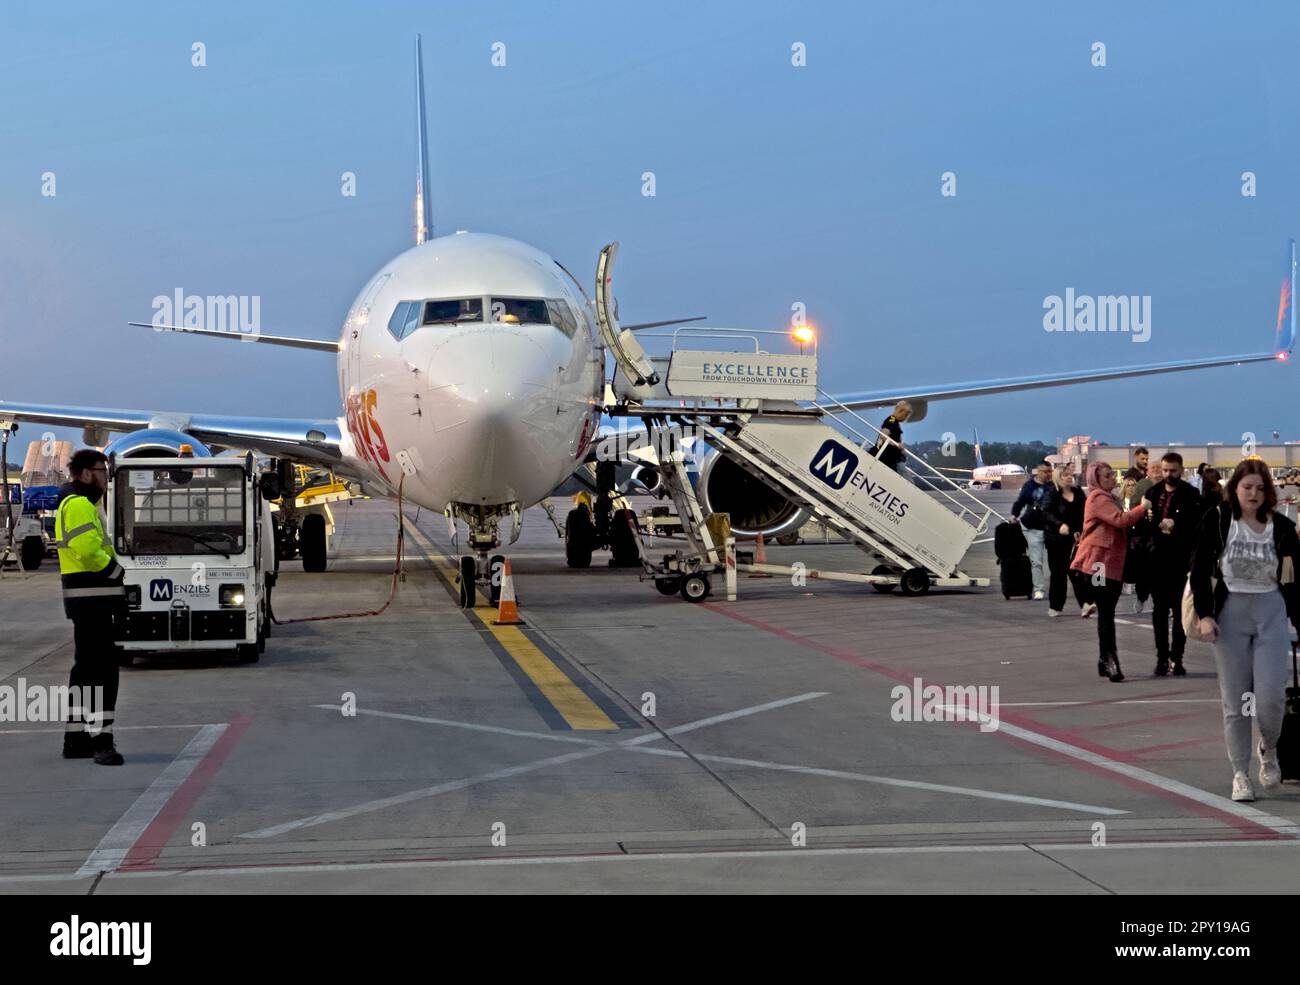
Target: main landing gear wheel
695,588
311,542
579,538
496,574
915,581
622,540
883,569
32,553
668,586
468,573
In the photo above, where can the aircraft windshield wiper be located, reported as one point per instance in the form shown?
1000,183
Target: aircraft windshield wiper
197,538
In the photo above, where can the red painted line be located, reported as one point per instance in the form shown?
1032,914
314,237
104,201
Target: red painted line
154,838
1166,746
1136,721
1063,735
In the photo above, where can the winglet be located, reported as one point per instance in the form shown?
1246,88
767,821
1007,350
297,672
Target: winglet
1284,338
423,205
979,455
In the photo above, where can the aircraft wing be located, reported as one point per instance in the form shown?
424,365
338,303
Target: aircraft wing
920,396
303,440
951,391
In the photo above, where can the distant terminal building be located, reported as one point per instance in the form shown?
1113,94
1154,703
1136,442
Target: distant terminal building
1080,450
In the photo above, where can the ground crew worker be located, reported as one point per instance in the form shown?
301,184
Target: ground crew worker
93,598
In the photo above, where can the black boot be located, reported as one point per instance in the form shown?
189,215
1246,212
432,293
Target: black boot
76,745
1113,670
1102,669
1162,665
106,753
1179,669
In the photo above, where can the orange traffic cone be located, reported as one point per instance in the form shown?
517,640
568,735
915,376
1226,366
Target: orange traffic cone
760,557
507,610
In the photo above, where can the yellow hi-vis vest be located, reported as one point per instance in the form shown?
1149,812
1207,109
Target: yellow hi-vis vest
92,578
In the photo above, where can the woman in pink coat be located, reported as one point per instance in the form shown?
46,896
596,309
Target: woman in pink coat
1100,556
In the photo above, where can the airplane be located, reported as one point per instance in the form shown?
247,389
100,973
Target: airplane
472,375
988,476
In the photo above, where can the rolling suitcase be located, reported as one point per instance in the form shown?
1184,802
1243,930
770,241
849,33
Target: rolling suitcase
1017,577
1009,541
1288,745
1012,549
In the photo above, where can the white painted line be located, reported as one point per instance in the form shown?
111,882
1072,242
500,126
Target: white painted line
890,781
1224,805
116,728
475,726
452,785
112,849
717,855
752,763
1127,701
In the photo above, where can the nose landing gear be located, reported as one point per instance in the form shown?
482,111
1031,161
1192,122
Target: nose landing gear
481,571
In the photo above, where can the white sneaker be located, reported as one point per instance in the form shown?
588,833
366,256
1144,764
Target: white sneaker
1039,595
1270,773
1053,613
1241,788
1087,610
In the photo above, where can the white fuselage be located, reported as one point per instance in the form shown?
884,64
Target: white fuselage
491,412
987,473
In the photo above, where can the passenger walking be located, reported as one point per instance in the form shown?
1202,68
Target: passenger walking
1211,489
889,446
1138,470
1137,563
1175,516
1028,512
1064,510
1127,497
1244,591
1100,559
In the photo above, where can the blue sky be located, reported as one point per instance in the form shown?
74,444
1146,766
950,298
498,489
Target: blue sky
775,184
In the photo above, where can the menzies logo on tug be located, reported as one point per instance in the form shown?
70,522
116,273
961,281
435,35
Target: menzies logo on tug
364,427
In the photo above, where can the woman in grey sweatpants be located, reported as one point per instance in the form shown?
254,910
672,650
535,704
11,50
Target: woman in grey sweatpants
1252,550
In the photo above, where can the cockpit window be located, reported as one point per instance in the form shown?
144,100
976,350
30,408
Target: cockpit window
398,320
453,312
520,311
562,317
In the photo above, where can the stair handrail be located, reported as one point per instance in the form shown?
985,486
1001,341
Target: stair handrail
981,510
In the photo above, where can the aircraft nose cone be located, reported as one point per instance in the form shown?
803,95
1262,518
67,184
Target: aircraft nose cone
491,391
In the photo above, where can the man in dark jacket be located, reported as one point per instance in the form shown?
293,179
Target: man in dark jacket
1138,471
1030,512
889,446
1174,514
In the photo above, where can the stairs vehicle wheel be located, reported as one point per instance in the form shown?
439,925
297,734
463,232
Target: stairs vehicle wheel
915,581
883,569
668,586
695,588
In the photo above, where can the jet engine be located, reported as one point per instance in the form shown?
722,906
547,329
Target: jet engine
754,506
157,442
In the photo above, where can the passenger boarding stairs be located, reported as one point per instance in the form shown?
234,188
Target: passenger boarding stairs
766,414
820,458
